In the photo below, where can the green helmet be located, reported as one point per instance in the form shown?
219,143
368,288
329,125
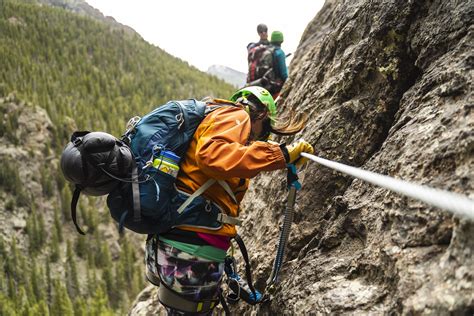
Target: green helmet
262,95
276,37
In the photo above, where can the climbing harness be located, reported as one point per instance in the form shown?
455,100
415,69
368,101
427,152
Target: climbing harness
243,290
240,288
452,202
294,186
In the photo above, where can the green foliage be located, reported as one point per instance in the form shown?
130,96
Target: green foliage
72,280
11,182
100,304
77,67
81,246
58,227
7,306
9,125
35,230
88,77
66,197
54,250
61,305
47,182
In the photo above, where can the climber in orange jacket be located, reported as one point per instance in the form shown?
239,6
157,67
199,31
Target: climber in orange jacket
230,144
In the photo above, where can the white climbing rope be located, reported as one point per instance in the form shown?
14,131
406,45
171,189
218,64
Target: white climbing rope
452,202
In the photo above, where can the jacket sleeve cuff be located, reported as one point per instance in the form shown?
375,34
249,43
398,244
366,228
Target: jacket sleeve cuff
285,152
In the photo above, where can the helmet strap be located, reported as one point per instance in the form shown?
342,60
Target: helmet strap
75,199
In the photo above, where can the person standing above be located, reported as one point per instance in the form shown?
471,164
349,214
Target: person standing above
262,31
267,65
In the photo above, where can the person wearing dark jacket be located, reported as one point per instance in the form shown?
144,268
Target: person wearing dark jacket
262,31
280,71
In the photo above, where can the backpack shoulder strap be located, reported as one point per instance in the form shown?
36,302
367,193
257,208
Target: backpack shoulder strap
196,193
221,217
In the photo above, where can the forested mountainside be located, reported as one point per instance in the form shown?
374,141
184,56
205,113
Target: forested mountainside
83,8
61,71
78,67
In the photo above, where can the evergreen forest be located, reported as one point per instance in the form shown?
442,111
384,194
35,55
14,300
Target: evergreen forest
87,76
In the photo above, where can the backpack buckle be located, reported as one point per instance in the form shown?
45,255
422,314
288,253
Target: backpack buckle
77,141
131,124
226,219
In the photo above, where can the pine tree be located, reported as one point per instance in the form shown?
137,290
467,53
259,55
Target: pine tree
22,302
72,281
35,231
66,197
41,231
110,286
120,276
61,305
7,306
57,225
12,295
15,260
39,309
54,252
49,282
3,249
81,246
2,276
80,307
36,282
91,282
99,305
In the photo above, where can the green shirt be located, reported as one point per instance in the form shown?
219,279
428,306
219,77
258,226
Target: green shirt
206,252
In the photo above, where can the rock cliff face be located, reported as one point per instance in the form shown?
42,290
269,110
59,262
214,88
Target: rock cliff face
24,140
387,86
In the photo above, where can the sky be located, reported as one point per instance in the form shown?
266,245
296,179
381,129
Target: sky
211,32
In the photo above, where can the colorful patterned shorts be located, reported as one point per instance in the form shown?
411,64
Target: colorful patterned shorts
192,277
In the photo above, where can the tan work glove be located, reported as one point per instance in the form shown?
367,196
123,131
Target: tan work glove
293,152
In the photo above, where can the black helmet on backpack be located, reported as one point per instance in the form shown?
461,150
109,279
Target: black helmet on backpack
96,163
94,160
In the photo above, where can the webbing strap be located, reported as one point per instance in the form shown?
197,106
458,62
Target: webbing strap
224,304
227,188
185,118
75,199
136,194
245,255
221,217
196,193
171,299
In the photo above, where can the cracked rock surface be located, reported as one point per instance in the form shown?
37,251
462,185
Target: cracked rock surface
387,86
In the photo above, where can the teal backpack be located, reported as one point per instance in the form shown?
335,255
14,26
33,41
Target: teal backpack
147,200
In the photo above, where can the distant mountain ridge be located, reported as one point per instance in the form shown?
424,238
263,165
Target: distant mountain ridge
83,8
229,75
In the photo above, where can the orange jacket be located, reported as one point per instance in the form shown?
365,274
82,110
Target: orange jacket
220,150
